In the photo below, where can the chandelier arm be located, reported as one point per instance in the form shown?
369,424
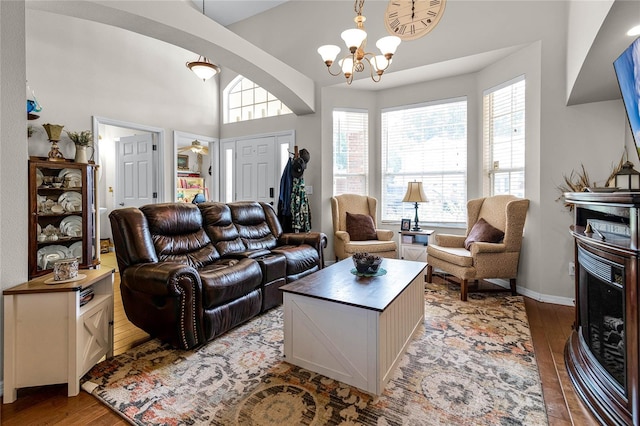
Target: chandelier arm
371,74
336,74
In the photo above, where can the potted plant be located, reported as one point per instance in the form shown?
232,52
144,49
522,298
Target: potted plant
81,140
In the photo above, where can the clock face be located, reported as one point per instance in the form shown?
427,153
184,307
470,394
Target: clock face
411,19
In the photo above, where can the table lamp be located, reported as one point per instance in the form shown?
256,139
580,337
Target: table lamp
415,194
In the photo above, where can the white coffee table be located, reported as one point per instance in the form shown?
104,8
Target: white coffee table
353,329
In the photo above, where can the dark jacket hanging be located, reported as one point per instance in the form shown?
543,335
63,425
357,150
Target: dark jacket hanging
284,198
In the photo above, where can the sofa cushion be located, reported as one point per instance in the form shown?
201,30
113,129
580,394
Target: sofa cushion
177,234
302,258
483,231
251,223
360,227
228,279
220,228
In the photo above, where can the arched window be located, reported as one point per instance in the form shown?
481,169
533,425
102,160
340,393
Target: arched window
245,100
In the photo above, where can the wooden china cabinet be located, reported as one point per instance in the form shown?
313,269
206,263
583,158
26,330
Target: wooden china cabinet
62,214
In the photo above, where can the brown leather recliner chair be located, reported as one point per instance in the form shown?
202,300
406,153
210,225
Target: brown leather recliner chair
189,273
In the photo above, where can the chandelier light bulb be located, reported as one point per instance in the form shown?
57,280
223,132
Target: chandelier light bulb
329,52
353,38
380,63
388,45
347,66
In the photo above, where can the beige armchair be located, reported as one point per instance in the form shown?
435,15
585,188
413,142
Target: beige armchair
483,259
344,245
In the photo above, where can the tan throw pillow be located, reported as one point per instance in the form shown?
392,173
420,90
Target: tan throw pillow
360,227
482,231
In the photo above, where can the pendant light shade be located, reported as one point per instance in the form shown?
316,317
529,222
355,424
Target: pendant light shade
203,68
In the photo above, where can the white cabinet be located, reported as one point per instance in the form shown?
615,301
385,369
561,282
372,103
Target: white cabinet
49,338
413,244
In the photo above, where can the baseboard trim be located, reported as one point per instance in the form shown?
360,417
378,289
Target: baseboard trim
546,298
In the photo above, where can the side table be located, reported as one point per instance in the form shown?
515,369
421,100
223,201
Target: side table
49,338
413,244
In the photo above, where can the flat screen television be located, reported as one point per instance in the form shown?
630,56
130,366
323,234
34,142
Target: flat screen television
627,68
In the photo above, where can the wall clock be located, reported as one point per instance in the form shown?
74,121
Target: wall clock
412,19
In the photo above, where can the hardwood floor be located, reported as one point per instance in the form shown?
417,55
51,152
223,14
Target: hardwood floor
550,327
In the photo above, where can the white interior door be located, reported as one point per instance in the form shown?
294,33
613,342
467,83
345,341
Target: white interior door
255,170
135,171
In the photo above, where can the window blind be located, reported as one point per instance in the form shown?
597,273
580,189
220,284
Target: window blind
350,151
504,138
425,143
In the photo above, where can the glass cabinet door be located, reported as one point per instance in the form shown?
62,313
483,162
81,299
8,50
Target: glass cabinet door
62,210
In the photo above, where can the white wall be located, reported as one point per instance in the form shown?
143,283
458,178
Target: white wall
79,69
559,138
13,151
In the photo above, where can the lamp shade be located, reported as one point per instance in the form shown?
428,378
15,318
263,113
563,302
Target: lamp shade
203,68
329,52
380,63
347,66
353,37
388,45
415,193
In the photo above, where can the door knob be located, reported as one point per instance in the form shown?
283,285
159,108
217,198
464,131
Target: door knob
122,204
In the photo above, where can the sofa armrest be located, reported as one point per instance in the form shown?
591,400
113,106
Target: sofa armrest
165,300
384,234
343,236
482,247
450,240
317,240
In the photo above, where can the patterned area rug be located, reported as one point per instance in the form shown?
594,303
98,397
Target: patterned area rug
471,364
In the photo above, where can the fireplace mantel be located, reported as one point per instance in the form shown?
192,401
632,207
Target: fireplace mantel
601,354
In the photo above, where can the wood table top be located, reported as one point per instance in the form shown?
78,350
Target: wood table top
38,285
337,284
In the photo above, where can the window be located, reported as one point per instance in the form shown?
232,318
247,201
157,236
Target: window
504,138
350,151
427,143
244,100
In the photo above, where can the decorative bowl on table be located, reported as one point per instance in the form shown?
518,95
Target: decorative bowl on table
366,263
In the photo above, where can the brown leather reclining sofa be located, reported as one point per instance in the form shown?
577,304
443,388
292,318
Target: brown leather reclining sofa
189,272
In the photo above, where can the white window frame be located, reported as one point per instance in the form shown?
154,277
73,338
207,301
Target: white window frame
341,173
444,176
255,102
512,98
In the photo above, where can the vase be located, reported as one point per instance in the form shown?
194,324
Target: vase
81,154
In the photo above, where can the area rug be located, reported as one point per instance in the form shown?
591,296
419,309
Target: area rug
472,363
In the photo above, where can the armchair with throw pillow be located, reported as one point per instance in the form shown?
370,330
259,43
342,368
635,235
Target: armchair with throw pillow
354,228
491,246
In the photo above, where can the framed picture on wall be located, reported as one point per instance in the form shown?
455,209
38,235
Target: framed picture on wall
406,224
183,162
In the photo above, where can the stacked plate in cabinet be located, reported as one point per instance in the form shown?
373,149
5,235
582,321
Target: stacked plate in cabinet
75,250
49,255
72,177
71,201
71,226
39,177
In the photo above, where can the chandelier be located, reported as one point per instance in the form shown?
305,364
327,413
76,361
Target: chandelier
202,67
356,40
